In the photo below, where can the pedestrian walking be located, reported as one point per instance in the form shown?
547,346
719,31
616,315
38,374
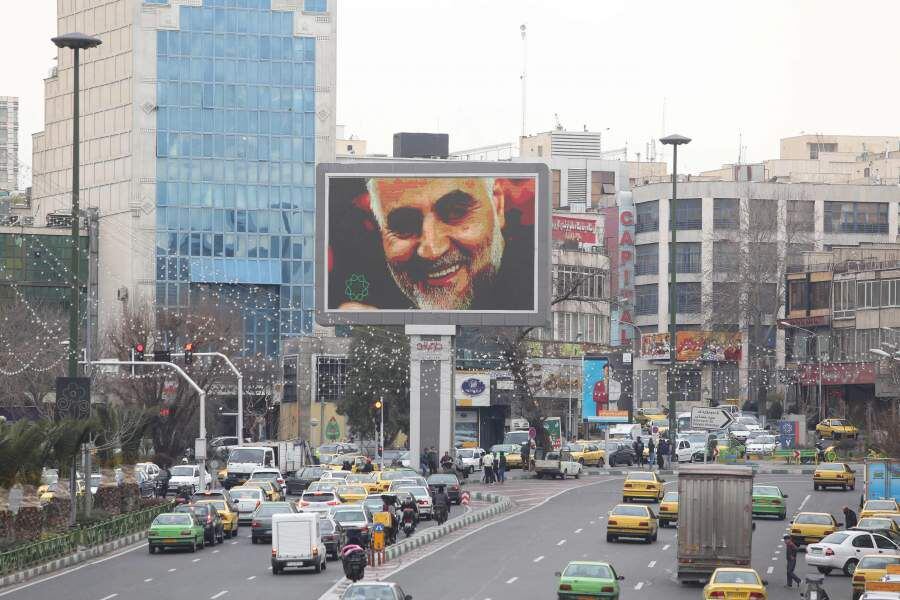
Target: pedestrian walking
651,453
501,463
526,456
423,462
487,463
638,448
790,553
662,453
850,519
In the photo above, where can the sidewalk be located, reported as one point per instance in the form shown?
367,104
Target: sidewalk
765,468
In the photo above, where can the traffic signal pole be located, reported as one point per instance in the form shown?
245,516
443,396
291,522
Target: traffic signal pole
240,388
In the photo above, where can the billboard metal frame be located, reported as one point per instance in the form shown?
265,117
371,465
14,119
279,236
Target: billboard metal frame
537,317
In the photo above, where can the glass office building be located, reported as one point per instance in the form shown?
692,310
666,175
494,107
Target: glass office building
235,164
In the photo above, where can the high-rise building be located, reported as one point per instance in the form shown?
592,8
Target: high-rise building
9,143
202,122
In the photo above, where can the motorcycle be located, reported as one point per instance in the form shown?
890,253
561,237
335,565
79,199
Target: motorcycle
353,559
409,521
440,513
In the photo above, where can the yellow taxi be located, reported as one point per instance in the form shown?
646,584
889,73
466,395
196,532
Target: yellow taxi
871,567
879,508
811,527
737,584
273,494
668,509
229,516
388,475
836,429
832,474
367,480
513,453
351,494
222,474
642,485
587,453
359,463
633,521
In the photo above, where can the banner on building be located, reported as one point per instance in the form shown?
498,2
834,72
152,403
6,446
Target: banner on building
622,329
655,346
570,228
708,346
553,427
473,388
551,349
554,377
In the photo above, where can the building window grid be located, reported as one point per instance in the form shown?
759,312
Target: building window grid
844,299
646,299
331,378
646,259
688,214
581,283
646,384
647,217
687,257
688,297
726,256
856,217
246,168
684,384
726,213
801,215
584,327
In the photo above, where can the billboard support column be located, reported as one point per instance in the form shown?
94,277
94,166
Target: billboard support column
431,403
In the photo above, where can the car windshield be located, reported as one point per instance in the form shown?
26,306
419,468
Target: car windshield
764,439
587,570
670,497
347,516
811,519
418,492
246,494
443,480
878,562
171,519
311,472
830,467
870,523
322,486
373,504
574,448
360,478
641,477
218,504
835,538
766,490
264,474
369,592
745,577
696,439
880,505
318,497
398,474
273,508
247,455
326,526
630,511
838,423
465,453
179,471
197,509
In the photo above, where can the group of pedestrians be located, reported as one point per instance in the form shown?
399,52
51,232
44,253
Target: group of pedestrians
494,467
659,454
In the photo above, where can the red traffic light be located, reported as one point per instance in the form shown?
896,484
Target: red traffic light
138,352
139,348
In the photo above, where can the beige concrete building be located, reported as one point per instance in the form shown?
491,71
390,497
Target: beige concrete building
348,145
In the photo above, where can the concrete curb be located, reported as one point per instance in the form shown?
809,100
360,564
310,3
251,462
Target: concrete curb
499,504
70,560
757,470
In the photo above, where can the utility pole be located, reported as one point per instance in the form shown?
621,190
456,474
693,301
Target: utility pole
674,140
381,437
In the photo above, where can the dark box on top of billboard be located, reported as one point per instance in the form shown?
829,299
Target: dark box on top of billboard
432,243
421,145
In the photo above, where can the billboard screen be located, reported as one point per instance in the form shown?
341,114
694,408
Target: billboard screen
655,346
708,346
432,243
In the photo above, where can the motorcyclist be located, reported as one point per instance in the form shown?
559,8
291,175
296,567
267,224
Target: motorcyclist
447,462
441,503
409,510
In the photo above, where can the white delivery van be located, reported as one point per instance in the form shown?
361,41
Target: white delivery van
296,542
625,432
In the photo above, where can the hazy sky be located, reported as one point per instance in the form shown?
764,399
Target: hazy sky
766,69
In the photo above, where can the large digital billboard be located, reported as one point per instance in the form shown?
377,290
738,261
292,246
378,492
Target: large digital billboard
432,243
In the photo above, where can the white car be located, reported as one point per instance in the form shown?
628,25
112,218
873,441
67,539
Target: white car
690,446
763,444
188,475
332,475
268,472
469,459
750,422
150,469
843,550
423,501
247,499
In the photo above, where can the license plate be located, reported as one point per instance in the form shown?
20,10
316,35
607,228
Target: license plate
815,551
169,540
584,598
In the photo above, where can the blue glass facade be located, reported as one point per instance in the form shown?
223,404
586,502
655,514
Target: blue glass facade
236,165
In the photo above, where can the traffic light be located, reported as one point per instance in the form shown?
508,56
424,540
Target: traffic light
138,352
377,405
189,353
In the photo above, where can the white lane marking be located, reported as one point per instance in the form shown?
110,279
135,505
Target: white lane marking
219,595
233,543
117,554
639,585
778,552
110,597
172,570
592,522
215,551
148,580
802,504
666,547
770,570
512,580
196,560
560,542
774,558
651,564
579,530
251,578
539,558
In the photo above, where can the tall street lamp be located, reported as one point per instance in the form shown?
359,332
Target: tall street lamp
673,140
76,41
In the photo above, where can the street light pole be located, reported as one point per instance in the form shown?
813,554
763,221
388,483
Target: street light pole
673,140
77,42
240,389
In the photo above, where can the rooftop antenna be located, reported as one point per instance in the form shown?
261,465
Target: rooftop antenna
559,126
522,29
740,160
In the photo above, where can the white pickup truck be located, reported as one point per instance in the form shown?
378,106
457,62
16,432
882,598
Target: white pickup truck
557,464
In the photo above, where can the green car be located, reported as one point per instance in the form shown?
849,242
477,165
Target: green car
769,500
175,530
588,579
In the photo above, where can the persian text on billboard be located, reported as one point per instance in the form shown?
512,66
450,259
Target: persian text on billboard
570,228
708,346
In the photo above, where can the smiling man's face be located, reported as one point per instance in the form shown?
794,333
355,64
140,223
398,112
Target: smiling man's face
442,237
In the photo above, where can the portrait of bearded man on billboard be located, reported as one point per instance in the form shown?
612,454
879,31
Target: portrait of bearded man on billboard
431,243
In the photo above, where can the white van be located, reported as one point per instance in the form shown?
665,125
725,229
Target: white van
627,432
297,542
